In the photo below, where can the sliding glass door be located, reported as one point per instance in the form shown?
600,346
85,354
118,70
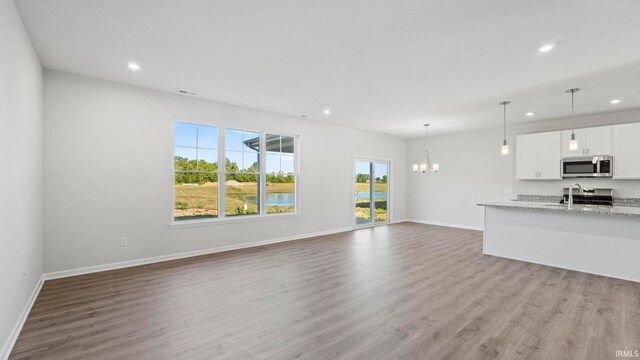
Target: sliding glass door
371,195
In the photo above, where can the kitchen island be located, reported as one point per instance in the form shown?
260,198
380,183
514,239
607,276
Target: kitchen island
603,240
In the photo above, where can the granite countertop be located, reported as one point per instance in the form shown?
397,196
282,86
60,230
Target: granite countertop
557,207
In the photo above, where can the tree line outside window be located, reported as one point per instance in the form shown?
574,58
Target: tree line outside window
259,175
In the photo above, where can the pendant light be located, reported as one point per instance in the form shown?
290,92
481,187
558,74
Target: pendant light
573,143
505,148
426,163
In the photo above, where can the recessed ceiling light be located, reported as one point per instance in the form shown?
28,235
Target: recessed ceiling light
529,114
134,66
327,111
546,47
615,101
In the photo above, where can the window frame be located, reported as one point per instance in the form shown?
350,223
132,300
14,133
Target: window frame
196,171
222,157
262,174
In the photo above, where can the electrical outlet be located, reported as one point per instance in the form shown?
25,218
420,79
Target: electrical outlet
637,193
124,241
535,191
24,275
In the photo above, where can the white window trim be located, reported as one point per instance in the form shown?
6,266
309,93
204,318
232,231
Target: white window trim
262,174
230,220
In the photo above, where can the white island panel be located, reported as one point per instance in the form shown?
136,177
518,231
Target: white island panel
595,243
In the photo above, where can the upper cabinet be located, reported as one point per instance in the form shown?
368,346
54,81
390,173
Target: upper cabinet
527,157
599,140
538,156
591,141
549,159
626,151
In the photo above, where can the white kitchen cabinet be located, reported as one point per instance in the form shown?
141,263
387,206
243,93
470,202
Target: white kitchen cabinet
538,156
591,141
549,156
626,151
581,136
599,140
527,157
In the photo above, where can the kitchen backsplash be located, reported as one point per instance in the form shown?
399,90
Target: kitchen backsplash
626,202
539,198
634,202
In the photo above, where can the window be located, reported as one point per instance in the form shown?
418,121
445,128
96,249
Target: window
250,188
196,172
242,173
280,174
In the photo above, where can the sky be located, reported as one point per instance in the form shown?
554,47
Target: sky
201,142
381,169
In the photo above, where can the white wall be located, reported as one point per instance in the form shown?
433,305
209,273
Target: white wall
21,164
472,170
108,172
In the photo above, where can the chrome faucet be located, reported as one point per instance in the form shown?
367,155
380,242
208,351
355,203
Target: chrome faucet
570,205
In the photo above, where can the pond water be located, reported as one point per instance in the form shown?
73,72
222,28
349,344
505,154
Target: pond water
364,195
288,199
280,199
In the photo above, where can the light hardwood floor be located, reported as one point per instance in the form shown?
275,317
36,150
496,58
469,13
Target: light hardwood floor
404,291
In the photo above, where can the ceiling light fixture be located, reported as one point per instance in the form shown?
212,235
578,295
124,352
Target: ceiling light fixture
327,111
546,47
573,143
505,148
426,163
134,66
530,114
615,101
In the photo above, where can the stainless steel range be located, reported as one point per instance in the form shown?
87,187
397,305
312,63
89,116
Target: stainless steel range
589,196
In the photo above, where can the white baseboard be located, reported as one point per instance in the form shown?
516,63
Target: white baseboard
437,223
397,221
8,346
182,255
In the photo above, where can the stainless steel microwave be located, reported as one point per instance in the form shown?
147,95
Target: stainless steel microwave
588,167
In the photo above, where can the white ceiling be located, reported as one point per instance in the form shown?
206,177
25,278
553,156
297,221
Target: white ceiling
380,65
